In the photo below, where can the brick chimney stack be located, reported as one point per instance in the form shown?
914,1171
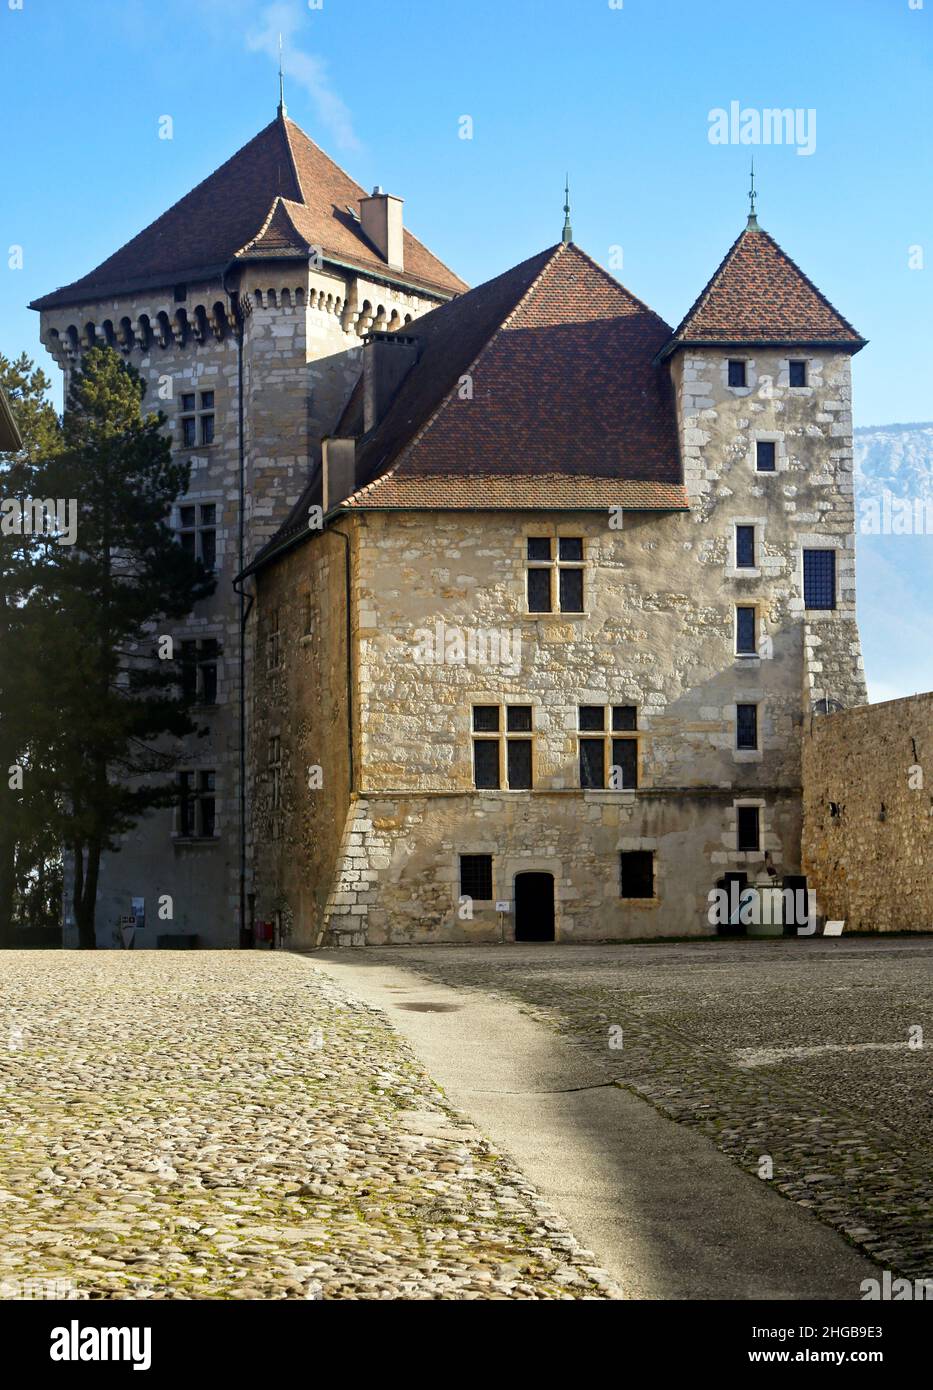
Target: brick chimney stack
381,220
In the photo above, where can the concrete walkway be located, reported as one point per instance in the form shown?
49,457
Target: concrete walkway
665,1213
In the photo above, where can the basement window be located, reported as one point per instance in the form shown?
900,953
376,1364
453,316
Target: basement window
747,827
476,877
737,372
636,873
797,374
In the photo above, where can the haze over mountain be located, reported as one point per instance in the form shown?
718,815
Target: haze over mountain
895,556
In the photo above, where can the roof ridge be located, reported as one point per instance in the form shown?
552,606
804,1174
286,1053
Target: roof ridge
555,251
283,119
617,284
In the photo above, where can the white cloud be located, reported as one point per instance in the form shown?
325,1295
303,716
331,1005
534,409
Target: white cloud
303,67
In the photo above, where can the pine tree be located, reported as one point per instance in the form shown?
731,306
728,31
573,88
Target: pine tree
29,851
113,706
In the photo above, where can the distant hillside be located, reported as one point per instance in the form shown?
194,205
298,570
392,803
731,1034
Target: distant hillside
895,572
896,457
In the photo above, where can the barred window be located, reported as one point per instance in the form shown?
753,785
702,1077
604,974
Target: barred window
819,578
476,877
737,375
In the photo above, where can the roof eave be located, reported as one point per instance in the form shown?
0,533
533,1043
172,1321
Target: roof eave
852,345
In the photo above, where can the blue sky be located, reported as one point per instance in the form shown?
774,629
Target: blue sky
619,95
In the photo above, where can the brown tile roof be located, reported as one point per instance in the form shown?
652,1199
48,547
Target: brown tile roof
567,409
563,388
759,296
279,193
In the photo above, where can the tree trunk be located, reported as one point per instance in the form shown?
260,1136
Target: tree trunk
84,897
7,882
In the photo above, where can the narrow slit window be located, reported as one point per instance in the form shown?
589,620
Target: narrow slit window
748,828
745,547
745,631
765,455
746,726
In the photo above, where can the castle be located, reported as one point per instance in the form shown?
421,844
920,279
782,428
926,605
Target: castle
523,595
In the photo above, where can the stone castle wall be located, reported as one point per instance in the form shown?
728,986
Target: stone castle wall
868,815
302,335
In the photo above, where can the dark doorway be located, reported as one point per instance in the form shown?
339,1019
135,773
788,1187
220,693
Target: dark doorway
534,907
732,927
796,909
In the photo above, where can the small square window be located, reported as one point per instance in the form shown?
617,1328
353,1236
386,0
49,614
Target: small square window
476,877
518,719
746,726
209,514
636,868
570,548
539,547
486,719
187,516
207,400
745,636
625,718
737,374
798,373
187,401
592,718
765,453
748,831
745,547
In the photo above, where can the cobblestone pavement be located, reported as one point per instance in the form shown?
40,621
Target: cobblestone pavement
804,1052
225,1125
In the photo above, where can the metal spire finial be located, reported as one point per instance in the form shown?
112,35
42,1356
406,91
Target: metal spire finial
283,110
752,196
567,234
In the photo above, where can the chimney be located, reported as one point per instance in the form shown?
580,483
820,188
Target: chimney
381,220
387,360
338,460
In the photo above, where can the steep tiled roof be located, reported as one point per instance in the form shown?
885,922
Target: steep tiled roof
535,390
280,192
759,296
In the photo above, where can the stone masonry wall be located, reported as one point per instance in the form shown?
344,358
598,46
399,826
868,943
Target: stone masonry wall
868,815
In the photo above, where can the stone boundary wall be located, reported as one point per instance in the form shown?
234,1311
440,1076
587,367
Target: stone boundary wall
868,814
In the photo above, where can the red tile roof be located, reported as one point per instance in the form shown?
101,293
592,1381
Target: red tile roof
559,356
280,192
758,296
568,410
